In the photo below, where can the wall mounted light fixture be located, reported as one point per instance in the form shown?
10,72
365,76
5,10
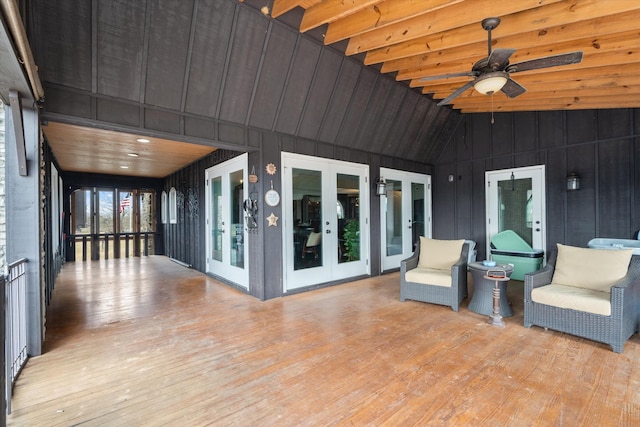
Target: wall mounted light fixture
381,187
573,181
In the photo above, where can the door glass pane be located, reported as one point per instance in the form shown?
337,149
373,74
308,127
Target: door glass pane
417,214
126,212
105,212
236,235
394,217
307,204
217,222
348,213
515,207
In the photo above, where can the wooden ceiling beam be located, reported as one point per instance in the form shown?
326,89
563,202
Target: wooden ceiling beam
332,10
621,42
415,39
586,84
549,95
502,101
618,55
581,32
549,22
457,15
280,7
380,15
598,104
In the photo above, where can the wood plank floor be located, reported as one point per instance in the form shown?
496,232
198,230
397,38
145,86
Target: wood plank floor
146,342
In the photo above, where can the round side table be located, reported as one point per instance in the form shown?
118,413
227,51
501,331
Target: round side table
482,299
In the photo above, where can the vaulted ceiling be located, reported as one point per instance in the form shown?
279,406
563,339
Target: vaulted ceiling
417,40
219,73
342,75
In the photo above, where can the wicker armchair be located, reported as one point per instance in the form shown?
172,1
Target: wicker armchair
613,329
450,295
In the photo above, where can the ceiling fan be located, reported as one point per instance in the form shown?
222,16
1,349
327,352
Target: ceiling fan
493,73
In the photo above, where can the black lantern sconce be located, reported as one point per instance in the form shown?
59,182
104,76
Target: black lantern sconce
573,181
381,187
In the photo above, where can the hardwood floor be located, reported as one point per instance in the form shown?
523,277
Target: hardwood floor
144,341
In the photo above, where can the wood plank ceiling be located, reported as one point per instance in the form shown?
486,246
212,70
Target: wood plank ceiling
83,149
419,39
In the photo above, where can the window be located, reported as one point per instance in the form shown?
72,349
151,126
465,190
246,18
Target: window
105,211
173,206
164,209
146,211
126,211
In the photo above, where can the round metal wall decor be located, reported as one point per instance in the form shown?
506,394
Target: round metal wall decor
272,197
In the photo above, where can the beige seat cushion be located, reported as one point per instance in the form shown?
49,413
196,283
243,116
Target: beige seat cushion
595,269
439,254
429,276
572,297
313,239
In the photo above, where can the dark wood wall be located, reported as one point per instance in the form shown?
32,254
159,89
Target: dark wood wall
602,146
185,241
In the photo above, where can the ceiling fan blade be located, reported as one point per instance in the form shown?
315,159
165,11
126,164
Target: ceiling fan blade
456,94
448,76
546,62
513,88
499,59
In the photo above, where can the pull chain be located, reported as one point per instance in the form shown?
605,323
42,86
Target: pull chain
492,121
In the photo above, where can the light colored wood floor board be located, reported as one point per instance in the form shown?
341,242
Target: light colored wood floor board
146,342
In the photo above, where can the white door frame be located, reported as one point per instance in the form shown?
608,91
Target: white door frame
224,268
537,175
330,269
407,178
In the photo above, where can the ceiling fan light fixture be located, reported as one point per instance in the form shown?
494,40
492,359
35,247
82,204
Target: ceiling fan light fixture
490,83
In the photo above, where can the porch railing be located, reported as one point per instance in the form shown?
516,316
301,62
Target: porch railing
83,247
16,323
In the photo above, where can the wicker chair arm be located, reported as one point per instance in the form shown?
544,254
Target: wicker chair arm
537,279
626,291
632,278
411,262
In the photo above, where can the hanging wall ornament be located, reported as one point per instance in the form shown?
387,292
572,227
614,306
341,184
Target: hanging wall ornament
253,178
272,197
271,169
272,219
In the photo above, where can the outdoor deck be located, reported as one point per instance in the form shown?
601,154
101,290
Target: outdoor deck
144,341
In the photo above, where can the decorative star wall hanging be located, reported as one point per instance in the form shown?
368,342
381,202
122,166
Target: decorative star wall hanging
273,220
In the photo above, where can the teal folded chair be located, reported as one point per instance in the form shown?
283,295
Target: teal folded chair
507,247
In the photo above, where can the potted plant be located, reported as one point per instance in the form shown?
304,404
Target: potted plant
351,238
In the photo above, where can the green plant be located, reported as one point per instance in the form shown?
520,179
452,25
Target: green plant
351,238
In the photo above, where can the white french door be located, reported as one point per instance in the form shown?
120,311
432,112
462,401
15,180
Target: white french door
405,215
226,232
515,200
326,220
